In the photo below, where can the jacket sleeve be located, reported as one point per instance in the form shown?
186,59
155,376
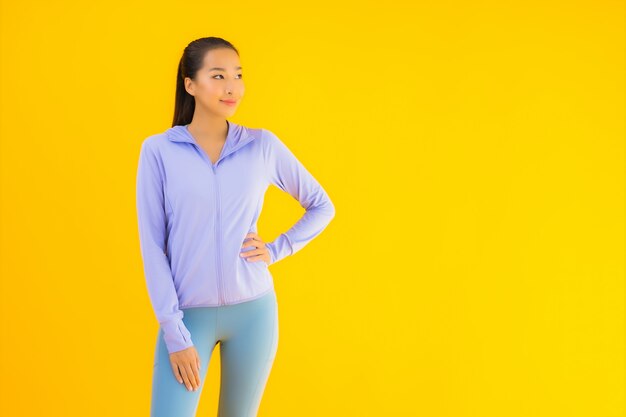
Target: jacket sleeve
152,237
286,172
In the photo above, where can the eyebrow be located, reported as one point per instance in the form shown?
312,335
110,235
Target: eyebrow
222,69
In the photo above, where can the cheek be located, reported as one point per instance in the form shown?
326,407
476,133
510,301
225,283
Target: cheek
208,89
208,95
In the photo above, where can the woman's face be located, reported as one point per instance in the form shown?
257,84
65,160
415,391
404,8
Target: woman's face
219,75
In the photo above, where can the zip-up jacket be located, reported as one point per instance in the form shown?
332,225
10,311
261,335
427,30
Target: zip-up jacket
194,216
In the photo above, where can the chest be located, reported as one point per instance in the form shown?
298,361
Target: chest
192,185
213,150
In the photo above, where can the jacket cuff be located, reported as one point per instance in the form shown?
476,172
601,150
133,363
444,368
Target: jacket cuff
176,336
279,248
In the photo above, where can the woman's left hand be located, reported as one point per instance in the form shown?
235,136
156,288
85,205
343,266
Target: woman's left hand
262,253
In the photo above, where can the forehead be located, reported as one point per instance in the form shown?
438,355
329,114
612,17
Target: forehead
221,59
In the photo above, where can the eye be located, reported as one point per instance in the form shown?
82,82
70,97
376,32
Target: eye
220,75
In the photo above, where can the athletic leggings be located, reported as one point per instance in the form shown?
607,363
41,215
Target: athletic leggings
248,336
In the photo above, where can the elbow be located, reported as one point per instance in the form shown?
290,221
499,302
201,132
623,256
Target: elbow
325,210
322,205
329,209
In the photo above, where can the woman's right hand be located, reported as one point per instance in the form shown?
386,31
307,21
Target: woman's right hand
186,367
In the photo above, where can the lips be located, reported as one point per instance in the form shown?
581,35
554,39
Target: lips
229,101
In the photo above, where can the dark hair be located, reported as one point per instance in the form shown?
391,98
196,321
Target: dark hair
189,64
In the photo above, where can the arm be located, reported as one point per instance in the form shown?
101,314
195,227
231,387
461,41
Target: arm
152,237
286,172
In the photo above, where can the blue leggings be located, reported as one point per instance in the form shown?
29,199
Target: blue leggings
248,336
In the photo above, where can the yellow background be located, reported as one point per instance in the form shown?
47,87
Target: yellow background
474,152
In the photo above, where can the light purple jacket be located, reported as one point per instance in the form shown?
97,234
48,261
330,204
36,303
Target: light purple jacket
193,217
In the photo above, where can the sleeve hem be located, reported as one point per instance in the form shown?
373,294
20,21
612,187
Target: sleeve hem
176,336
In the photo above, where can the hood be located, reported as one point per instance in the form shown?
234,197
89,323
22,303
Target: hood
237,137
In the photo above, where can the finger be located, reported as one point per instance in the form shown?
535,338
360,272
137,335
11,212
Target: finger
253,252
194,380
185,374
199,363
196,373
176,372
255,258
256,237
250,242
255,241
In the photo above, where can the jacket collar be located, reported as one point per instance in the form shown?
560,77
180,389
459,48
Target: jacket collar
237,137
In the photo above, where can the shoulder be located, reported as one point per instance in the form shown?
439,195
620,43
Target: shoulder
153,142
151,148
154,146
259,134
265,138
269,139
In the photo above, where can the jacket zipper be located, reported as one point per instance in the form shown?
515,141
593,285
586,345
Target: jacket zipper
217,238
217,229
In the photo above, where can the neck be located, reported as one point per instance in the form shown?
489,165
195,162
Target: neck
206,127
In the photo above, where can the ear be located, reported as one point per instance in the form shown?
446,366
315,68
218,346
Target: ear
189,86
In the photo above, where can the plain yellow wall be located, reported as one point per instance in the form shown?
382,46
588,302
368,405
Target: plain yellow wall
474,152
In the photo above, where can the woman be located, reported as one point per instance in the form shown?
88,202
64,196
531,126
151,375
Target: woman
200,190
